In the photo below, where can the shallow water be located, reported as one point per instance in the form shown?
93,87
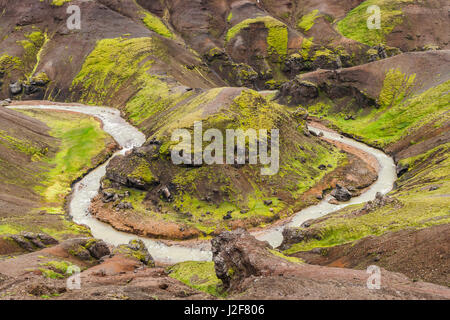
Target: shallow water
128,137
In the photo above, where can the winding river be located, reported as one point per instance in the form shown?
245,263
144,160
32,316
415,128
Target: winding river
128,137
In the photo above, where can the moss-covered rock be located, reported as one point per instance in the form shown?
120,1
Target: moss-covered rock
136,249
277,37
198,275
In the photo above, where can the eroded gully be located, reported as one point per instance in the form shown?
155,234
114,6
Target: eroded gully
129,137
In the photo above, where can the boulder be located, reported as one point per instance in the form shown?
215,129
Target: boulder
22,242
333,201
299,91
97,248
86,249
31,241
47,240
15,88
341,193
296,235
136,249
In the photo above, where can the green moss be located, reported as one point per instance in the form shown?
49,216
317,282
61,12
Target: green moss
396,87
35,152
290,259
136,250
59,3
9,229
155,24
198,275
277,37
402,112
230,16
306,47
118,64
51,274
415,207
32,47
143,172
82,139
110,65
354,25
327,53
307,21
58,266
41,76
8,63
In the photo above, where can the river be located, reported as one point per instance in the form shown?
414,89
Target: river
129,137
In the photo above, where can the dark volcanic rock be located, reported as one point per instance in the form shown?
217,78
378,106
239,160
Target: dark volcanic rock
341,193
299,92
136,249
86,248
22,242
15,88
232,264
31,241
402,169
296,235
98,248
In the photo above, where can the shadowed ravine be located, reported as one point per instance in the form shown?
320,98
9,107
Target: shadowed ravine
128,137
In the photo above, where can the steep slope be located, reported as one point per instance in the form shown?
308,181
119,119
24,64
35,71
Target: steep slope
41,154
200,44
401,105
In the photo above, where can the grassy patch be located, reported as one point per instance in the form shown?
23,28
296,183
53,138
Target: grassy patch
108,67
82,139
307,21
354,25
155,24
277,37
290,259
398,117
198,275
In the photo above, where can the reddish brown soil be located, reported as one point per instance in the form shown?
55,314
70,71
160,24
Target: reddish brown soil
119,277
420,254
131,222
260,275
18,173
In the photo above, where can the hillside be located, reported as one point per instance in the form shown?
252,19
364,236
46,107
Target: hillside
310,69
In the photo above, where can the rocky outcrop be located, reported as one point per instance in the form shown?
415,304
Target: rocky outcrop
249,269
359,87
341,193
133,171
86,249
135,249
237,255
298,92
295,235
30,241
